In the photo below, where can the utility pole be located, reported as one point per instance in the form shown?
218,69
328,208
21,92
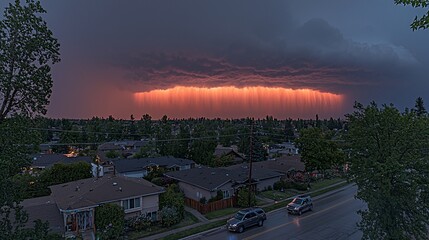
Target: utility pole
250,166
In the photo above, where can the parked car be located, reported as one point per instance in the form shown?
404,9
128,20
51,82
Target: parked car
246,218
300,205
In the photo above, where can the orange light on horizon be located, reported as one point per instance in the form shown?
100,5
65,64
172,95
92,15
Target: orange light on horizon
234,102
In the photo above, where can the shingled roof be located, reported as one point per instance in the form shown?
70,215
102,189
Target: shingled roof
131,165
203,177
213,178
94,191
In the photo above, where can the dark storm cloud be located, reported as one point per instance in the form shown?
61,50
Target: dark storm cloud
313,55
362,49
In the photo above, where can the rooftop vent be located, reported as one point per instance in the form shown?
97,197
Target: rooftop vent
213,173
115,183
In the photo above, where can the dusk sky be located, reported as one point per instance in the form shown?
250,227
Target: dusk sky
234,59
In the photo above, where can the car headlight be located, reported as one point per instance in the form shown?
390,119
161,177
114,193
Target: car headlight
296,208
234,225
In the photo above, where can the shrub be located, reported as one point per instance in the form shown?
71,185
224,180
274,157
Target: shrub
203,200
169,216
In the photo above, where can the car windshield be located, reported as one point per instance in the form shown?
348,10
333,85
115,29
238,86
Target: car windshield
297,201
239,216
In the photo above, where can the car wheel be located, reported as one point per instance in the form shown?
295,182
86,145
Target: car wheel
311,207
240,229
261,223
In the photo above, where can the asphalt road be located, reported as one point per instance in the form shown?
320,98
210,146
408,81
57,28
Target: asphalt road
333,217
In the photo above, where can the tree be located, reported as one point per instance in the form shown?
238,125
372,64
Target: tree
27,47
423,21
419,108
173,198
389,163
318,152
243,198
15,141
110,221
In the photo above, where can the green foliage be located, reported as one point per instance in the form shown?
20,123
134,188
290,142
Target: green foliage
243,198
27,47
282,185
419,22
110,222
112,154
36,186
222,161
419,107
155,173
318,152
389,163
139,223
219,196
173,198
170,216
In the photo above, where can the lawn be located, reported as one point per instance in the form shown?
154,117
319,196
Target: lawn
221,213
277,195
188,220
195,230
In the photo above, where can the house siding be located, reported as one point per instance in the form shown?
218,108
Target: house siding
263,184
196,193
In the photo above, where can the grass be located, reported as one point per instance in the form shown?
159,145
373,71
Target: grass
277,195
325,183
189,219
221,213
195,230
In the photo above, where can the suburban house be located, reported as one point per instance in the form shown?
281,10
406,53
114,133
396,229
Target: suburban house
124,148
262,177
288,165
75,202
204,182
286,148
42,161
139,168
232,152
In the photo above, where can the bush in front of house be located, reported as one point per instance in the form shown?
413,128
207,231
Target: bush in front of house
289,185
219,196
138,223
170,216
109,219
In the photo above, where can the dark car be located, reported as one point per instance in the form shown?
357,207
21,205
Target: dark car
300,204
246,218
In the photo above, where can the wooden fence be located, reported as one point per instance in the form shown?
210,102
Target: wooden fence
211,206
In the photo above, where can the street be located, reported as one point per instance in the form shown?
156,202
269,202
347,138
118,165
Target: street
333,217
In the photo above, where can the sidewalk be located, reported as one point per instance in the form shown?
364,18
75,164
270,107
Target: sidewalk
164,234
197,214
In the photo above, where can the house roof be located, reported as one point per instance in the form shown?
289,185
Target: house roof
213,178
48,160
132,165
45,209
282,164
202,177
241,172
221,151
94,191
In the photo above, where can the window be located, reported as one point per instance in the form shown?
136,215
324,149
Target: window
131,203
226,194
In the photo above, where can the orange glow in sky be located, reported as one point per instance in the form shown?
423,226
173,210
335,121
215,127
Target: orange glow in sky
234,102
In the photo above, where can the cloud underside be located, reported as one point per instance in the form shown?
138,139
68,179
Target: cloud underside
314,55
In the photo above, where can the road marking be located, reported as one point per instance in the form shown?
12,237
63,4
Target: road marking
288,223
